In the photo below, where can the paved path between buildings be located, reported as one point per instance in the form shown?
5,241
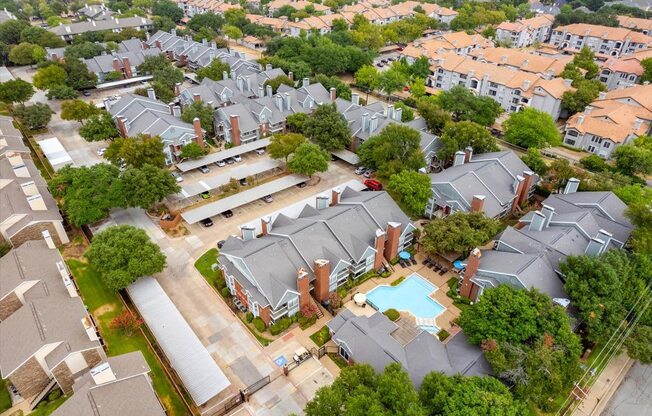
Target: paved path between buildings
604,387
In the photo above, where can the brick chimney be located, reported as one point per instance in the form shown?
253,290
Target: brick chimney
393,234
523,196
477,205
519,182
127,65
322,270
116,67
122,126
171,107
333,92
335,196
199,135
468,154
379,245
303,284
265,224
177,88
235,130
196,98
471,269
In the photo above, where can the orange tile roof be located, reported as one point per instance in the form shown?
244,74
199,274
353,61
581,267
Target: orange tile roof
604,32
635,23
614,120
522,60
638,94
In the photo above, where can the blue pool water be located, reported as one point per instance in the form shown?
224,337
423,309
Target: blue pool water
411,295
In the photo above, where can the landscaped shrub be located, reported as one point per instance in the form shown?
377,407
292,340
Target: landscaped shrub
397,281
54,395
249,317
306,322
386,273
335,300
259,324
226,293
443,334
280,326
321,337
392,314
220,283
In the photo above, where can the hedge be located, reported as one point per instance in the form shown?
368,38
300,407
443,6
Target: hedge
226,293
249,317
259,324
392,314
280,326
443,334
397,281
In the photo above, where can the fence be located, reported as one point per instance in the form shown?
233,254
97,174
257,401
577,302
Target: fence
240,397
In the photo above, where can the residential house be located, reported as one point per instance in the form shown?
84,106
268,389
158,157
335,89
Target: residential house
495,183
459,43
604,41
543,66
26,207
337,238
135,114
187,52
95,12
47,337
125,61
512,89
614,119
121,385
442,14
379,342
636,23
525,32
624,71
528,255
67,31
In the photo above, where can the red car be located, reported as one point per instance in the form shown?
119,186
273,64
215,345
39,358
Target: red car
374,185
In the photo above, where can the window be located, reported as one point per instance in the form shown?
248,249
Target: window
344,353
591,149
463,76
492,93
517,92
493,85
512,108
570,142
439,78
606,145
572,133
474,83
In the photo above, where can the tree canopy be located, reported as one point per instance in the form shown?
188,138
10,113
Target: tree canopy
122,254
531,128
147,185
15,91
136,151
327,128
308,159
35,116
435,117
632,160
99,127
412,189
278,81
78,110
465,106
281,146
459,232
49,76
204,112
459,136
192,151
534,161
396,148
215,70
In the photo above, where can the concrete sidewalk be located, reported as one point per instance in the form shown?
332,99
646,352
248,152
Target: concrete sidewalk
605,386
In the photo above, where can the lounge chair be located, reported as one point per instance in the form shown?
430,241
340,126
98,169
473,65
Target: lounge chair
414,261
426,262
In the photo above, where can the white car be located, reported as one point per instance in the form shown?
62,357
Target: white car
360,170
220,163
260,151
268,199
177,176
100,152
237,158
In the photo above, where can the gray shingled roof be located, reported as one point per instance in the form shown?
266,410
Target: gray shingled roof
99,25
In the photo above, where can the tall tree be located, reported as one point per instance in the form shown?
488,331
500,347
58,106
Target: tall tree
531,128
26,54
15,91
391,81
168,9
395,149
204,112
534,161
136,151
459,232
308,159
79,77
147,185
632,160
78,110
327,128
465,106
413,190
458,136
278,81
367,78
281,146
35,116
215,70
435,117
122,254
49,76
99,127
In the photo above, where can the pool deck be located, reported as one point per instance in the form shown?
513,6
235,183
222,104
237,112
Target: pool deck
443,320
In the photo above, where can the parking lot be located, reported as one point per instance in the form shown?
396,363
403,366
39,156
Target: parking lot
384,61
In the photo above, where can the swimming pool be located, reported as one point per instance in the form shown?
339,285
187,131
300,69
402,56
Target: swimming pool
411,295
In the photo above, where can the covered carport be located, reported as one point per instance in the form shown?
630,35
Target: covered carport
238,173
215,208
55,153
347,156
189,165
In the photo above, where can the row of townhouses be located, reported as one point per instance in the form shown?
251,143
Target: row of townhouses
193,7
67,31
604,41
525,32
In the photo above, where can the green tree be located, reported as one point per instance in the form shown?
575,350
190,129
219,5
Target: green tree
39,36
367,78
308,159
167,9
35,116
586,92
296,122
147,185
632,160
122,254
281,146
50,76
647,70
641,216
26,54
420,68
99,127
435,117
327,128
459,232
78,110
79,77
136,151
88,193
534,161
204,112
418,87
459,136
391,81
406,112
639,344
585,59
62,92
531,128
10,31
413,190
278,81
465,106
85,50
192,151
153,63
395,149
232,32
164,23
341,89
209,20
634,194
214,71
15,91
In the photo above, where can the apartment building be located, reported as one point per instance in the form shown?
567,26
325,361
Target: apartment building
528,255
193,7
121,385
543,66
636,23
442,14
135,114
459,43
67,31
614,119
525,32
95,12
624,71
496,183
47,337
125,61
274,6
512,89
604,41
341,236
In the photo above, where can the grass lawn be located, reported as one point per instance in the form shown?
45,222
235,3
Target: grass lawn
45,408
321,337
104,305
338,360
204,263
5,398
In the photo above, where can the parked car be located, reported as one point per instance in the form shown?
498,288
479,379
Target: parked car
360,170
373,184
237,158
100,152
204,169
301,185
268,199
220,163
177,176
220,243
207,222
228,213
205,195
368,173
86,93
260,151
230,161
244,182
379,65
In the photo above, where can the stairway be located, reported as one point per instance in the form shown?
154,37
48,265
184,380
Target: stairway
35,401
320,314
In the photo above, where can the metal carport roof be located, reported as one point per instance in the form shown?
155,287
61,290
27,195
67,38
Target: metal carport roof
347,156
224,154
239,172
199,373
55,153
214,208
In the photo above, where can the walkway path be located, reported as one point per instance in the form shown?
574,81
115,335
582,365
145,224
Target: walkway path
604,387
